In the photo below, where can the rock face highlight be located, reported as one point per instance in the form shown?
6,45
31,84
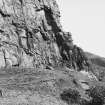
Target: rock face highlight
31,36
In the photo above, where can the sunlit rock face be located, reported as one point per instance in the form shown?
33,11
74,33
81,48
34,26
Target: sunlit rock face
27,32
31,36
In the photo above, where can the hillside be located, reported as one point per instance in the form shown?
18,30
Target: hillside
98,64
39,63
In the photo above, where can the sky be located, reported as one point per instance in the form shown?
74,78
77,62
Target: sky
85,19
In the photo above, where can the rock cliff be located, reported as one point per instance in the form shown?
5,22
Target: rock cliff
39,63
31,36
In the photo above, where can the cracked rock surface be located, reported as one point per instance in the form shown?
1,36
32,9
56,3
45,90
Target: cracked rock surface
38,59
27,33
31,36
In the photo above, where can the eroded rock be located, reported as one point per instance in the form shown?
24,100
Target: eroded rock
31,36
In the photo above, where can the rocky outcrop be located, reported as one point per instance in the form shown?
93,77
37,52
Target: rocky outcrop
27,32
38,60
31,36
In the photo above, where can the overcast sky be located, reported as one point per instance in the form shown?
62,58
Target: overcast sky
85,19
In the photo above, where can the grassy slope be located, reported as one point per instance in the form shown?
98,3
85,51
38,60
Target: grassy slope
98,65
26,85
23,86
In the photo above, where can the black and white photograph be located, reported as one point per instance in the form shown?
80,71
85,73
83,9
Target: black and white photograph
52,52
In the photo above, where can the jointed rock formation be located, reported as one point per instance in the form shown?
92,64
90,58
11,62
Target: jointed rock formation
39,63
31,36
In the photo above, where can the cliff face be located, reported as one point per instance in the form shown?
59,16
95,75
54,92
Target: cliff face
31,36
27,32
32,42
